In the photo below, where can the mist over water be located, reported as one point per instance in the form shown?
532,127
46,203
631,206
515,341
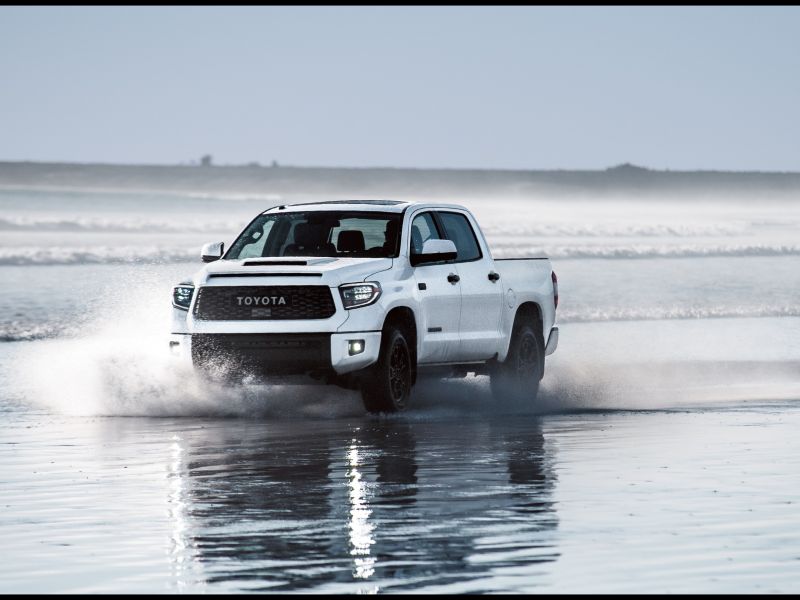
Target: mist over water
118,364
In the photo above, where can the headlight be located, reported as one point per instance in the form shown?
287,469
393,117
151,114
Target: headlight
182,296
355,295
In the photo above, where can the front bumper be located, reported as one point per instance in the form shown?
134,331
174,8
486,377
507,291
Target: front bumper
279,354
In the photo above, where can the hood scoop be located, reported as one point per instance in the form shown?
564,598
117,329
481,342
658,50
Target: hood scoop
212,275
323,260
275,263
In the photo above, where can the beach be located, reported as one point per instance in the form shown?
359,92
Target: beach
660,456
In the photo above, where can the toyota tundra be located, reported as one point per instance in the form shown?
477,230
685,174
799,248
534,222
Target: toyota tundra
367,294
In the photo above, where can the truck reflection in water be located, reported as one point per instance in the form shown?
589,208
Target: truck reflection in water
373,506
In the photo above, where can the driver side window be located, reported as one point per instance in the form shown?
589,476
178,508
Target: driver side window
423,228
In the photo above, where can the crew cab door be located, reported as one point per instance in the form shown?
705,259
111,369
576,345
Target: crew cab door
481,289
439,294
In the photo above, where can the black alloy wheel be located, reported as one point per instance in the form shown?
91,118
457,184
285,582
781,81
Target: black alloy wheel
517,378
387,386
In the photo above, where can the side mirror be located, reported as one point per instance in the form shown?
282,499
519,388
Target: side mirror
212,251
434,251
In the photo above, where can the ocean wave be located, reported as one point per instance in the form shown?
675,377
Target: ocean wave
634,251
91,225
661,313
536,230
28,332
89,255
733,228
97,255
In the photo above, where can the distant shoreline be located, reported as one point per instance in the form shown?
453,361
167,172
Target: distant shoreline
290,181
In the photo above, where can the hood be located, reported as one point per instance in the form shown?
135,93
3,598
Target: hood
329,271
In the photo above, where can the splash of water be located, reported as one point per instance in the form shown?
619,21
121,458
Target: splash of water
121,365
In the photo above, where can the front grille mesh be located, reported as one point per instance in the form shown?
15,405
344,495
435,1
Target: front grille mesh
219,303
265,354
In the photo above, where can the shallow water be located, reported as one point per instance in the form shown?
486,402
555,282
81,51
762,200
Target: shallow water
660,501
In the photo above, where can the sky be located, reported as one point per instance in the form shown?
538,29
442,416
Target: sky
431,87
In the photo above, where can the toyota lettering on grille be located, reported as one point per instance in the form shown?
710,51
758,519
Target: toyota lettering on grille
262,300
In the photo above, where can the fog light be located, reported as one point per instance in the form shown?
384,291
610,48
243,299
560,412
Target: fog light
355,347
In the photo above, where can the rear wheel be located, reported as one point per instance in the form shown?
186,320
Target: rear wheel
517,379
387,387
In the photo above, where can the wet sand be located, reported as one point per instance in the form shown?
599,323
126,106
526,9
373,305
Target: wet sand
450,497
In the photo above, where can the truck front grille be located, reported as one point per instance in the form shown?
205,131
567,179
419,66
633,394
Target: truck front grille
264,303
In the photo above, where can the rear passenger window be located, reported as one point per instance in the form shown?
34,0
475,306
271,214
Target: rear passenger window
458,229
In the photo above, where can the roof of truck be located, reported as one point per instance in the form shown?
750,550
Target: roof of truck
382,205
395,206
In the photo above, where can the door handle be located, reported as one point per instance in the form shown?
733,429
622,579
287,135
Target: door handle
453,278
493,276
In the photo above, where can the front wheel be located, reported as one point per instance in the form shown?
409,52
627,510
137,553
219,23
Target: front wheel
387,387
517,379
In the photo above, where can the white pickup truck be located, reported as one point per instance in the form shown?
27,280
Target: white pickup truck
366,294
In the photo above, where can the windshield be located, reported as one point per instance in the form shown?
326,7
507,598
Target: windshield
329,233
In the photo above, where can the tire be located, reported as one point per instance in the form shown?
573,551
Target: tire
517,378
387,387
